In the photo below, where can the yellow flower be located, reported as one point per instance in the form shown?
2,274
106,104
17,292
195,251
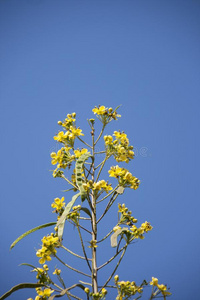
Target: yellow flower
108,139
58,204
104,114
161,287
57,272
45,293
121,136
78,153
102,184
146,226
99,111
75,132
48,247
116,171
93,244
61,136
154,281
116,228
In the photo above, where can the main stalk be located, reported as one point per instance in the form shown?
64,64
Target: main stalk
94,224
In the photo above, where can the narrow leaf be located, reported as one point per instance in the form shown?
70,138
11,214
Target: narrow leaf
21,286
61,222
30,231
114,236
28,265
87,211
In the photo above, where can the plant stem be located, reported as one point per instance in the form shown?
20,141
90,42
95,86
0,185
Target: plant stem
71,268
79,256
84,142
94,223
115,269
83,248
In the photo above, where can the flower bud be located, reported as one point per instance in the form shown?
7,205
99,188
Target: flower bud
116,278
87,290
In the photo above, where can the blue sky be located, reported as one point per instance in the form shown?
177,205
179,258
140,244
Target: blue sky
60,56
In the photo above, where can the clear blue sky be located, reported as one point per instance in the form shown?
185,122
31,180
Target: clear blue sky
62,56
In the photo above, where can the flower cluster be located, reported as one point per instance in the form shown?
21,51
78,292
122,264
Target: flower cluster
78,152
126,217
96,296
42,274
69,124
43,294
125,178
100,185
126,289
105,115
119,147
74,214
160,287
59,205
133,232
62,158
138,232
49,243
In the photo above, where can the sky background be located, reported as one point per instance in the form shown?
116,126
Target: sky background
57,57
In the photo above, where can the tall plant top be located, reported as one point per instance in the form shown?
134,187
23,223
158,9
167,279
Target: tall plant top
81,168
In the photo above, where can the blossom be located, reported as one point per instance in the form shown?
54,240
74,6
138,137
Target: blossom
126,288
116,172
57,272
101,110
75,132
119,147
125,178
78,152
102,184
104,114
161,287
146,226
44,294
49,243
58,204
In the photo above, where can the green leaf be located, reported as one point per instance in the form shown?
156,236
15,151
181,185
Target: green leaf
28,265
87,211
61,222
30,231
21,286
114,236
79,166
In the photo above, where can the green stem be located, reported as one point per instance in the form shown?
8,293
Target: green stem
71,252
108,194
102,130
111,259
103,163
71,268
63,176
115,269
110,203
94,223
84,142
83,248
